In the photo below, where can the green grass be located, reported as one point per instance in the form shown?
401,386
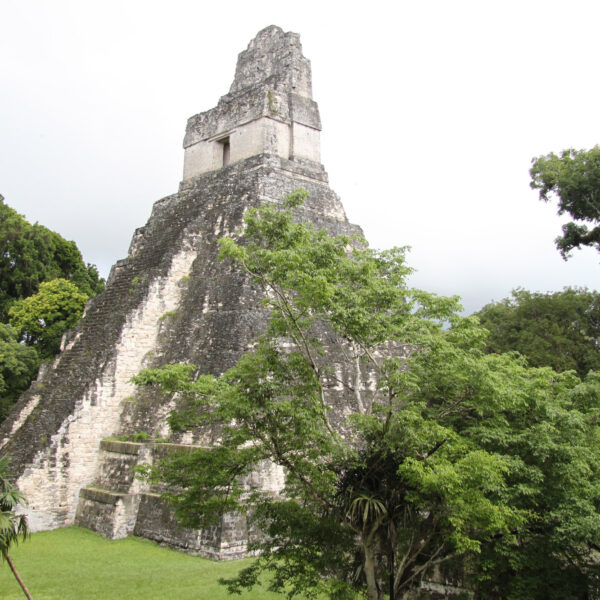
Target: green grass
77,564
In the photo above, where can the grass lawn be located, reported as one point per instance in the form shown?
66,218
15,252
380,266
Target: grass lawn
78,564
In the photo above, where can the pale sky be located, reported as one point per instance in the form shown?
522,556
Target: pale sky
431,111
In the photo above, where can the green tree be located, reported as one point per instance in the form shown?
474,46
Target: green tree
11,525
558,329
32,254
444,463
42,319
18,366
552,439
574,177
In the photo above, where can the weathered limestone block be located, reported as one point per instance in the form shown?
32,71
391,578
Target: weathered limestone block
112,514
155,521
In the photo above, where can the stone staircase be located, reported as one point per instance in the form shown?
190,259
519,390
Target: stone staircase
118,504
110,505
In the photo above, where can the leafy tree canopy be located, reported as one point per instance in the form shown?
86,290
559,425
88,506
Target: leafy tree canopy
574,177
559,329
32,254
18,366
42,319
452,459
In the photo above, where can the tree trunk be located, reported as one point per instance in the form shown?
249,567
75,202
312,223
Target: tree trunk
372,589
359,402
14,570
392,576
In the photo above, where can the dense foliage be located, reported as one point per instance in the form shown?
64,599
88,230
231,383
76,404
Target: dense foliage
33,254
574,177
42,318
44,285
18,366
558,329
453,459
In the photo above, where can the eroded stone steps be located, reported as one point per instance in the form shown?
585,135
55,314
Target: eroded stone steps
109,505
118,504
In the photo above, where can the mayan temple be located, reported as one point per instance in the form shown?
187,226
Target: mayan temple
169,301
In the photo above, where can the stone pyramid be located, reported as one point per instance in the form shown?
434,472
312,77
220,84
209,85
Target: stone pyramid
170,301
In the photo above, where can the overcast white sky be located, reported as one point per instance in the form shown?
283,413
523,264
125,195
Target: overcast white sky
431,114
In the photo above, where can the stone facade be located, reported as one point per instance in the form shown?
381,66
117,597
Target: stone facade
171,300
269,110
